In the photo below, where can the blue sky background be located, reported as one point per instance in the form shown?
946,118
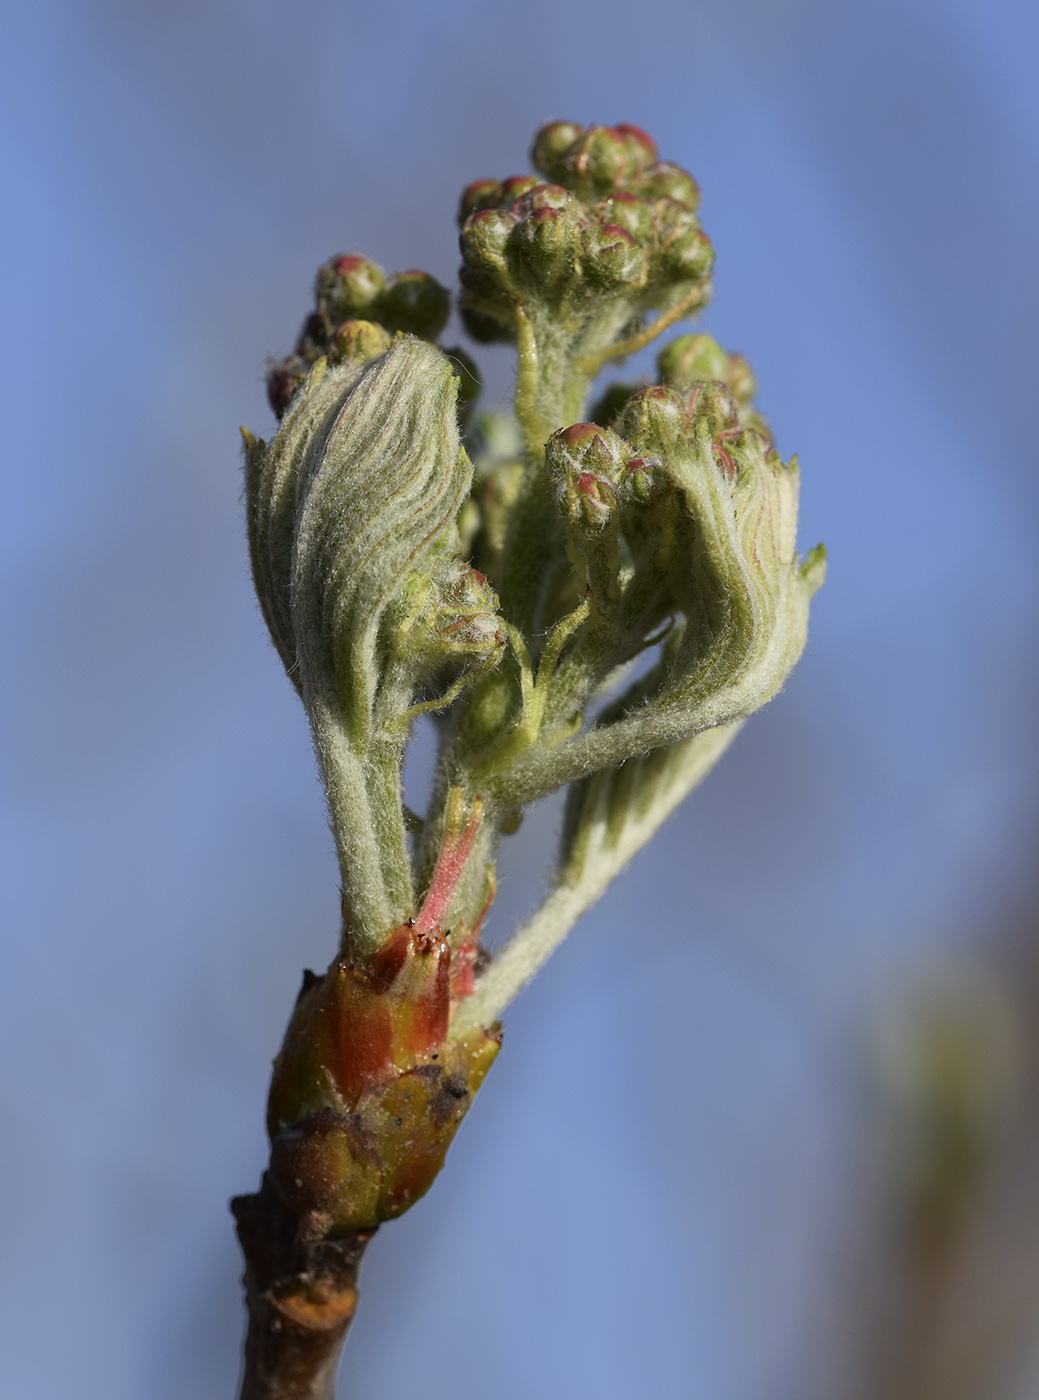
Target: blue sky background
661,1192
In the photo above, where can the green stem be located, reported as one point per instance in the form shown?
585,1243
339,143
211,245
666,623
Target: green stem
528,386
591,364
643,795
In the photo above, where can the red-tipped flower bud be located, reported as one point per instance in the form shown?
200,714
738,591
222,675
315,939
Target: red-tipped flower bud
654,418
713,400
516,186
478,194
551,144
542,247
631,213
348,286
608,158
584,457
540,196
283,379
484,236
610,256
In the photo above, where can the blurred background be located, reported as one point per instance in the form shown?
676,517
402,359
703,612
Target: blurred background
767,1128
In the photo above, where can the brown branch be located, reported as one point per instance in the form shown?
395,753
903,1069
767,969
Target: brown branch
301,1293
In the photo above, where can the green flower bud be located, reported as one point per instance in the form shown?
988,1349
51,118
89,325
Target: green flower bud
540,196
597,160
478,194
691,357
585,447
631,213
585,463
348,286
657,417
485,236
449,614
515,187
610,257
358,342
488,307
609,158
663,180
542,250
415,302
552,142
684,252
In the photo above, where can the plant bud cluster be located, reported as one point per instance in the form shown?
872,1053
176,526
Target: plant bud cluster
357,309
680,510
379,553
611,225
449,614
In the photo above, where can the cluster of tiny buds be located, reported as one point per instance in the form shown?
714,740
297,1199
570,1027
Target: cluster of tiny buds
594,466
451,613
610,218
357,309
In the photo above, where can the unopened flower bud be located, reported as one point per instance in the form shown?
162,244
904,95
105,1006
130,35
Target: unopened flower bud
414,302
646,479
551,144
684,251
360,341
585,462
515,187
607,158
542,249
655,417
283,379
713,400
663,180
347,287
478,194
447,615
701,357
594,498
541,196
588,447
631,213
484,237
692,357
611,257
